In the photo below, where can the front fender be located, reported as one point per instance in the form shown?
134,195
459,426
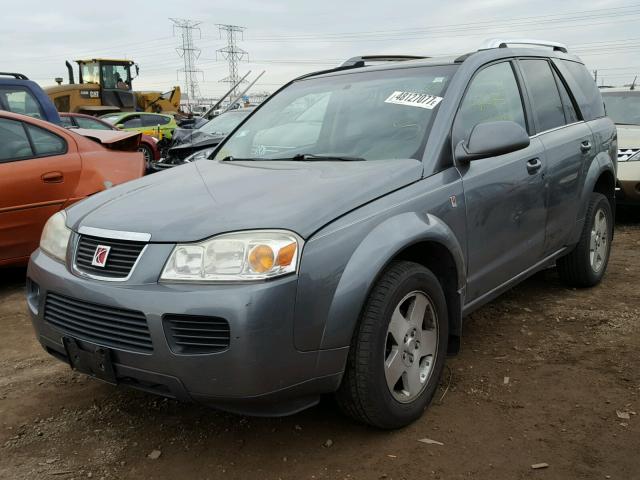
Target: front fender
333,304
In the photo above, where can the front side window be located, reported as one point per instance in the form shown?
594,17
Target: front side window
493,95
46,143
14,143
370,115
19,100
623,107
543,92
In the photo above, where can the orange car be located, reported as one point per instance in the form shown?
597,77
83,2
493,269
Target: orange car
44,168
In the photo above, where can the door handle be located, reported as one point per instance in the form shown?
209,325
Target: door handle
52,177
585,146
534,165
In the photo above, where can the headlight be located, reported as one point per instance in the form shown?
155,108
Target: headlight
253,255
200,155
55,236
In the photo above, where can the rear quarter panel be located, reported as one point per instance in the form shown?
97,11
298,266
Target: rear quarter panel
103,168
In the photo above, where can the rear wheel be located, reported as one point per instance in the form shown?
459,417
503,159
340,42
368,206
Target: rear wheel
587,262
148,155
398,350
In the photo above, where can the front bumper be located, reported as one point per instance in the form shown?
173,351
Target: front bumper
260,372
628,184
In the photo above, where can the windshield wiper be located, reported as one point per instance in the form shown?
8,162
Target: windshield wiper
310,157
236,159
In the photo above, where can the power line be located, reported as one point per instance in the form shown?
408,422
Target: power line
233,54
189,53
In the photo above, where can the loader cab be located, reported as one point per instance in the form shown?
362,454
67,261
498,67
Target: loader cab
114,79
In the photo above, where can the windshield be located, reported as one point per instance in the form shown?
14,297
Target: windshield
623,107
372,115
224,123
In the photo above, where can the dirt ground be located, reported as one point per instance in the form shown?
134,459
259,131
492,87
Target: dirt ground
547,375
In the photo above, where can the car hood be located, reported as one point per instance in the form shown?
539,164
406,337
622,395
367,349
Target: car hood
201,199
628,136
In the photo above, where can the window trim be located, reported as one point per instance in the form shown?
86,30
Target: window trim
558,78
33,155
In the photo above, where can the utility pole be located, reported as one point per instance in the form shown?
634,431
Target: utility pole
189,53
232,54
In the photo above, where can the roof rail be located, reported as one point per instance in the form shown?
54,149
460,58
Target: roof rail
361,61
504,43
19,76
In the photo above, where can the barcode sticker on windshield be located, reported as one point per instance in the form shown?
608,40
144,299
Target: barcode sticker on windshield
413,99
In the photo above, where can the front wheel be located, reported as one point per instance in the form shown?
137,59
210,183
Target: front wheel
398,350
587,262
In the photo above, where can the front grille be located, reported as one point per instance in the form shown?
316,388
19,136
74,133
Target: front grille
99,324
120,260
196,334
626,153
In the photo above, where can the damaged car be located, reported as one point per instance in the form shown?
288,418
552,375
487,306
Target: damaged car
189,145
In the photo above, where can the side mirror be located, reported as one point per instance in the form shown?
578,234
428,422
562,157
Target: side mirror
492,139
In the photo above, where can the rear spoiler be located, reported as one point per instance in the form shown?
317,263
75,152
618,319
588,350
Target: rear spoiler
112,139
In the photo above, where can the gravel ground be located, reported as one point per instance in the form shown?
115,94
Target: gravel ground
547,375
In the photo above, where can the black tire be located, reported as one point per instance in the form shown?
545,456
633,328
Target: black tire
148,155
576,268
364,394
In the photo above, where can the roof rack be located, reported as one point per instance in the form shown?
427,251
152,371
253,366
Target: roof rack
19,76
504,43
361,61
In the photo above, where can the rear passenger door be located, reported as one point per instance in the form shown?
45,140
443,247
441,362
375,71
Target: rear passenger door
568,144
39,171
504,195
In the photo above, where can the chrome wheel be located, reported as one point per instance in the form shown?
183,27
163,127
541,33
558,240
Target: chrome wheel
411,346
599,242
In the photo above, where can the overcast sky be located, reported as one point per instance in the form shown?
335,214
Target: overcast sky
289,38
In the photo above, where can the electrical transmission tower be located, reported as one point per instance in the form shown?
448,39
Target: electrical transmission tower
232,54
189,53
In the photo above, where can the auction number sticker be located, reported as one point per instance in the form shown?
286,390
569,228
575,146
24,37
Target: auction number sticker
413,99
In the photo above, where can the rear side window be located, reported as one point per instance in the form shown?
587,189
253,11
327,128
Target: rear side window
14,143
492,95
543,92
132,122
46,143
583,87
154,120
570,112
19,100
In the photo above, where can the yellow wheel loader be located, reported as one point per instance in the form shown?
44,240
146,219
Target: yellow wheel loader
105,86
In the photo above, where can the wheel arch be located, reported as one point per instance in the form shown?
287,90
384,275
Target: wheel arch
424,239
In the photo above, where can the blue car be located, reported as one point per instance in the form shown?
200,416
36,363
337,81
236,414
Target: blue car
18,94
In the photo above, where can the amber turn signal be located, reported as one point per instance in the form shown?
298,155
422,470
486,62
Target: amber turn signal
261,258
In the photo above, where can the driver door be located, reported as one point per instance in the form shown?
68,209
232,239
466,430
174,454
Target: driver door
505,194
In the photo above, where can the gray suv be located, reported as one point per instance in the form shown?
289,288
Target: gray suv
334,242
